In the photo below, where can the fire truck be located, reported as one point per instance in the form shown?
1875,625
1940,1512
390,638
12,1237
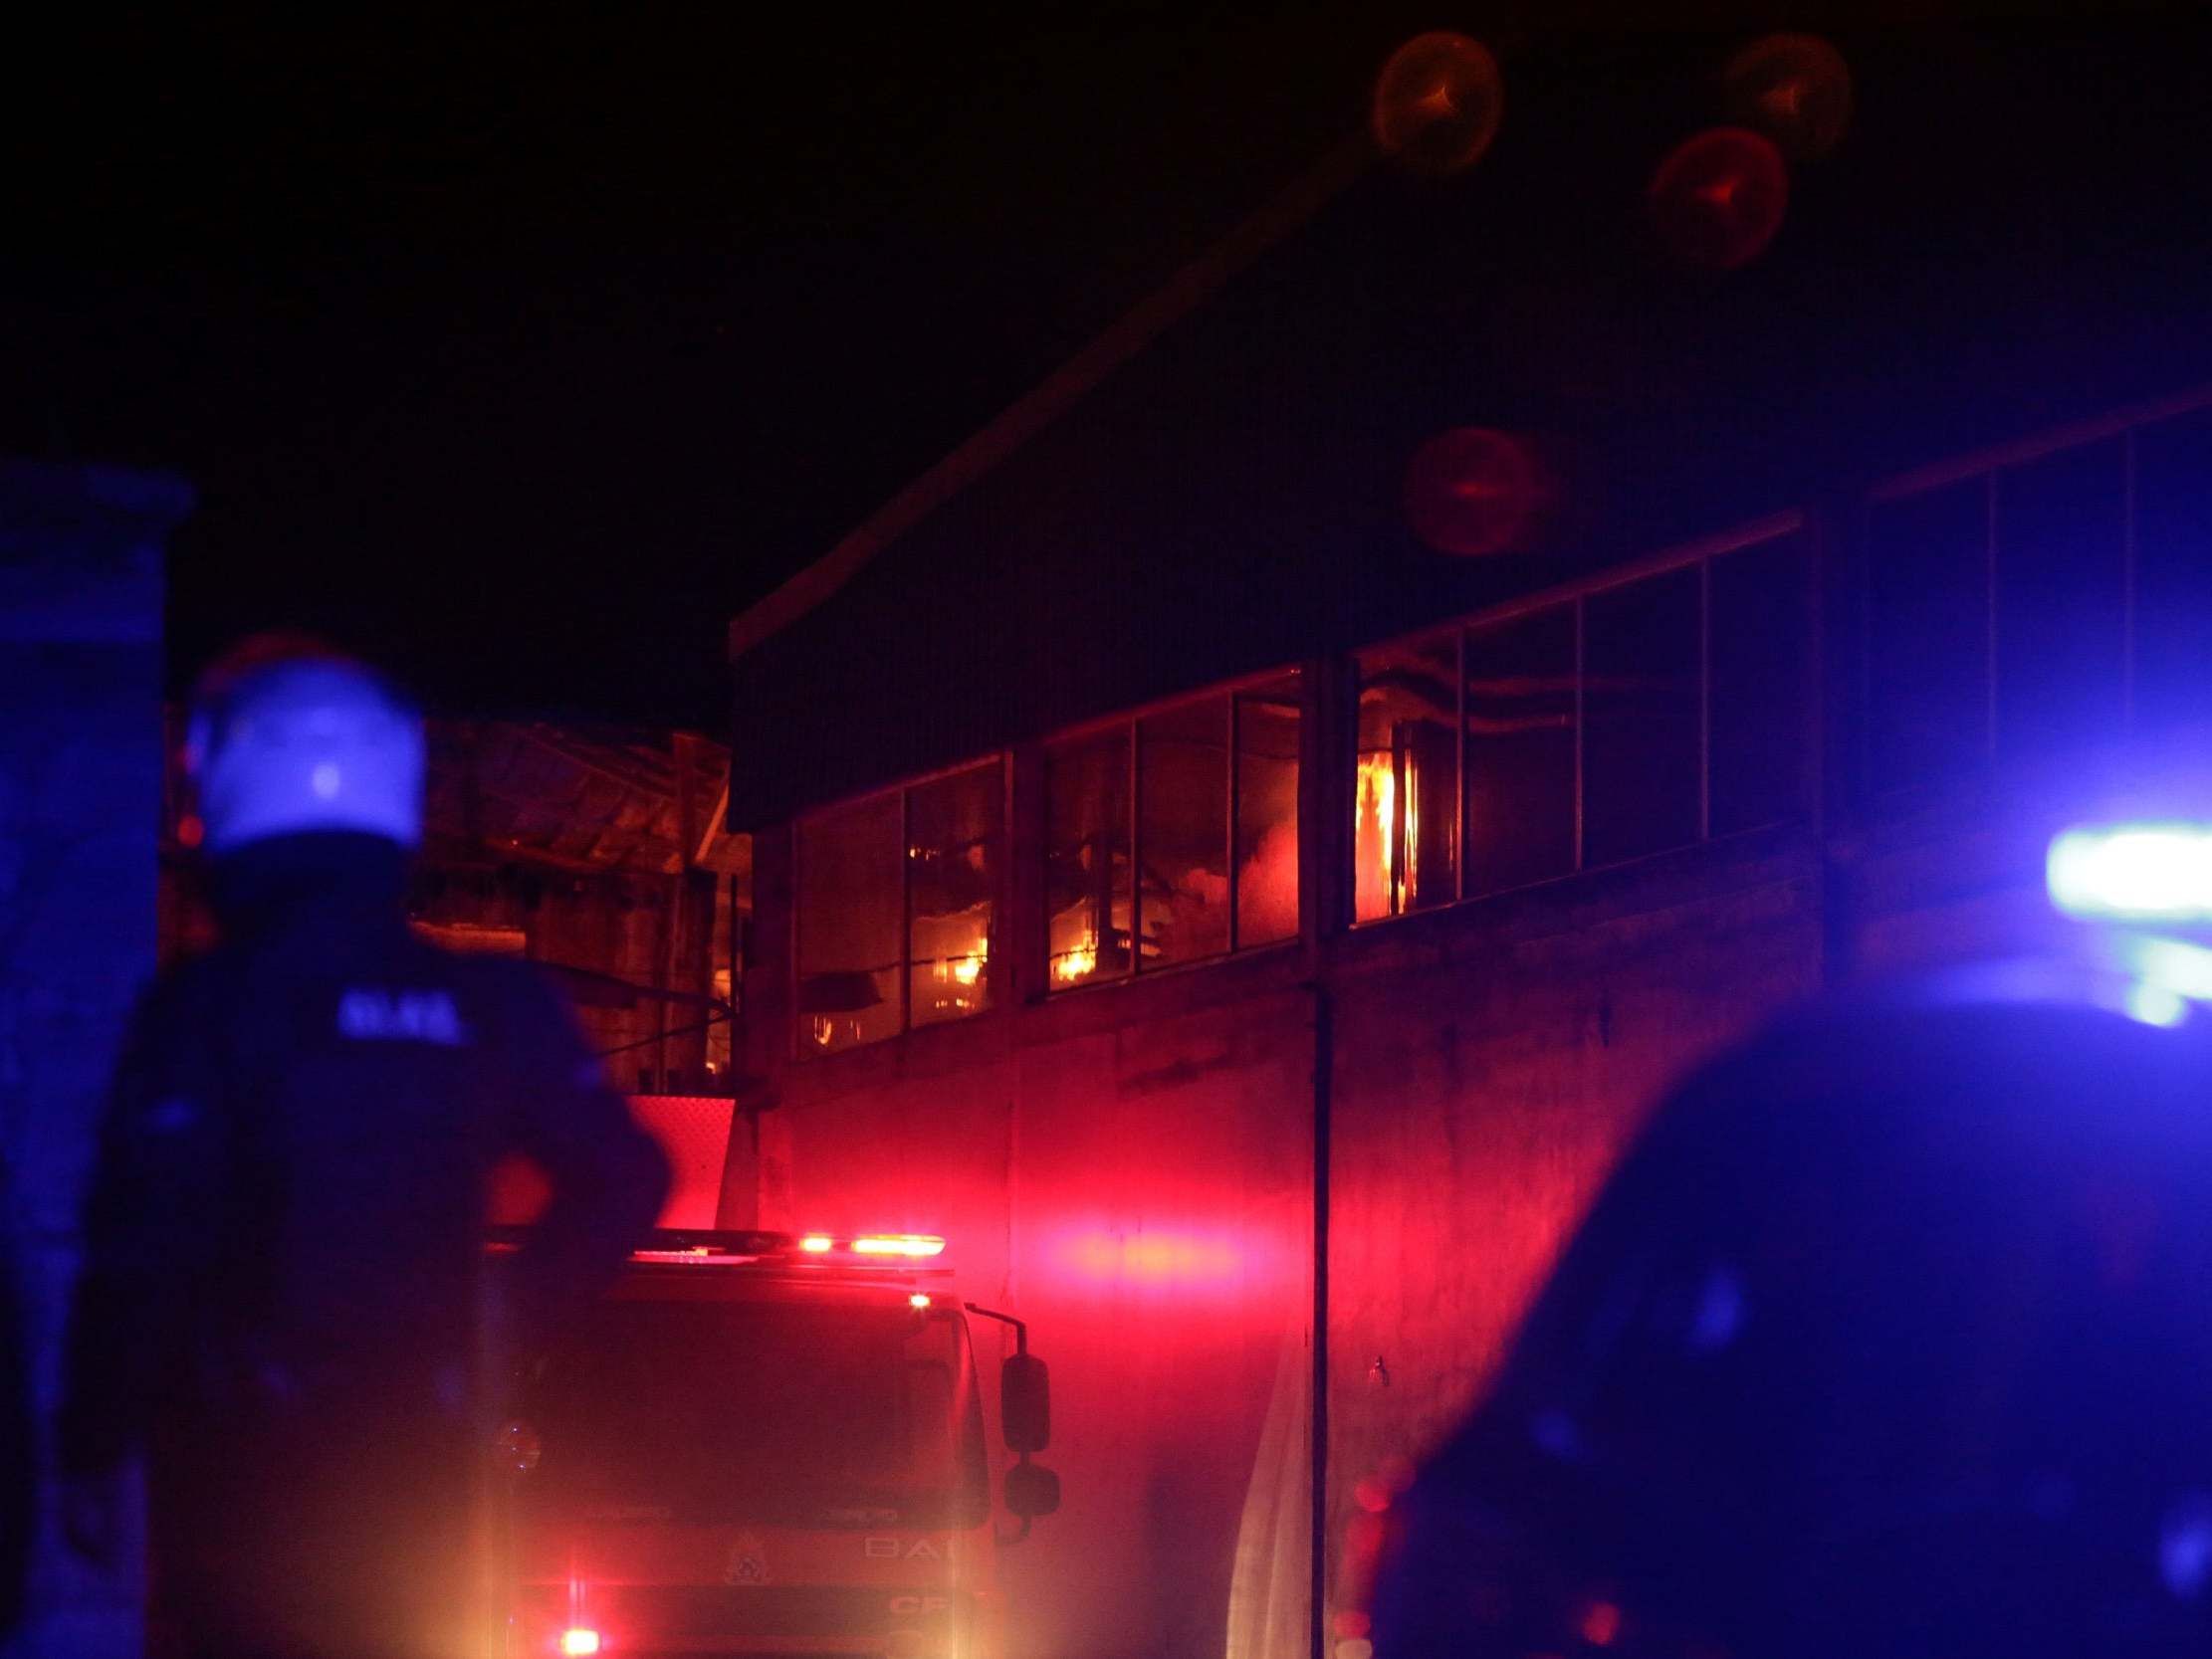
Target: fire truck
769,1444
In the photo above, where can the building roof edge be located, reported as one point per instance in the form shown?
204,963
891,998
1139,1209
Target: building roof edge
1183,293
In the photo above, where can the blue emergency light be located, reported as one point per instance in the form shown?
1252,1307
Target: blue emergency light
2141,872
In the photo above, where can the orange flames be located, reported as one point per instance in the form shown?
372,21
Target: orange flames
1077,962
1377,834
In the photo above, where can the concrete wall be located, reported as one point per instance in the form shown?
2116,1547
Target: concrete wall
1491,1065
1130,1168
80,811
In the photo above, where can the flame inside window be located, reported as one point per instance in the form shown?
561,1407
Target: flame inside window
1078,962
1375,837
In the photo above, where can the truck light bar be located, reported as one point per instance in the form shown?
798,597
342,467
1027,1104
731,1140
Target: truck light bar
707,1245
873,1244
2141,872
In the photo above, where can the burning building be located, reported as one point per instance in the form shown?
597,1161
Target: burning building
1250,933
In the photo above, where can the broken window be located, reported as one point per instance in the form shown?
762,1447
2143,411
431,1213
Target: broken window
1174,837
1406,836
850,909
1640,709
1183,833
1521,751
1267,723
896,910
1086,859
1643,716
952,864
1757,659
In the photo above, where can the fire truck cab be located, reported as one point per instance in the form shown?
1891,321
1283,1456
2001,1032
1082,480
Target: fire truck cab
769,1444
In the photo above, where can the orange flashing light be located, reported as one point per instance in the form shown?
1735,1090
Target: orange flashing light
920,1299
898,1244
579,1640
815,1244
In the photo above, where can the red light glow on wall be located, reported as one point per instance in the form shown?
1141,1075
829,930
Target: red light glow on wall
1153,1258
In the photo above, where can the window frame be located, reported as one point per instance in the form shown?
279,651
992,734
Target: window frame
1402,855
1987,472
1128,724
996,977
1777,528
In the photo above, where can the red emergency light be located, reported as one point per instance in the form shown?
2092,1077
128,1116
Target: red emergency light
705,1245
873,1244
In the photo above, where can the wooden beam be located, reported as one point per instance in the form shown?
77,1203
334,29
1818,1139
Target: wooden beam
714,817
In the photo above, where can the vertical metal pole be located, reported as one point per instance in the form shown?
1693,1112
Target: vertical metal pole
1704,698
2128,581
1580,713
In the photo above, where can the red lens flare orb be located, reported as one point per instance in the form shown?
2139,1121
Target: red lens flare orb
1437,103
1795,89
1474,491
1717,201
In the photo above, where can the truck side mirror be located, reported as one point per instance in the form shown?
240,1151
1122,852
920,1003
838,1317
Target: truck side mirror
1025,1405
1032,1491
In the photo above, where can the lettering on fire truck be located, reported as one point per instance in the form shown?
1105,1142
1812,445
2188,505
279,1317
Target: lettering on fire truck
899,1549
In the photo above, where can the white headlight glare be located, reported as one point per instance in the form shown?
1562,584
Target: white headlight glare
2132,873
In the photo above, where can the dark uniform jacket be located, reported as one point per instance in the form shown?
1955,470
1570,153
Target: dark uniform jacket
285,1298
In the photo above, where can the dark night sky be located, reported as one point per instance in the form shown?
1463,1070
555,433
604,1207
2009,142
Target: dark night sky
524,346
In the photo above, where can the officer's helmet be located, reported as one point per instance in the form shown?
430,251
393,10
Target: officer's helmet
289,735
